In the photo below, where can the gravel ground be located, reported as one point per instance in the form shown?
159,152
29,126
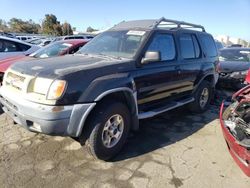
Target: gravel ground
176,149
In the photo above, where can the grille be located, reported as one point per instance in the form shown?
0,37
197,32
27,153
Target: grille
15,81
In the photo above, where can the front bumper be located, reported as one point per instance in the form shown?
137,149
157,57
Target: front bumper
227,81
52,120
240,154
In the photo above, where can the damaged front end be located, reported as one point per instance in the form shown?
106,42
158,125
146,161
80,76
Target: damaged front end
235,124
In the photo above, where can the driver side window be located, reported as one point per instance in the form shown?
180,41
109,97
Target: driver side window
163,43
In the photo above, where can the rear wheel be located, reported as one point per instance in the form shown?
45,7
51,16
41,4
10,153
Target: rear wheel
202,97
108,129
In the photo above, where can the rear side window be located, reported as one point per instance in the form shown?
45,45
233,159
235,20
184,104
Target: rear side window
210,48
187,46
1,46
79,37
163,43
24,47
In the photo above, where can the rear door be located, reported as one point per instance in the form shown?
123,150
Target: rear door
190,60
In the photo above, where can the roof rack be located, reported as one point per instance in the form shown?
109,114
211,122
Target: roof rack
163,22
154,23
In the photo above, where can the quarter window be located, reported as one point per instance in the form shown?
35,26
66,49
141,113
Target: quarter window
163,43
209,45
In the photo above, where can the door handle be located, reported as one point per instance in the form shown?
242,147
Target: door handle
178,69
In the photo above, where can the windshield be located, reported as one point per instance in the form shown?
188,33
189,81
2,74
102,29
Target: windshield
54,49
115,43
235,55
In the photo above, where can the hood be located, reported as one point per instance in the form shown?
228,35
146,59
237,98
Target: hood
63,65
233,66
6,63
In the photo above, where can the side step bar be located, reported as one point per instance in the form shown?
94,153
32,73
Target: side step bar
166,108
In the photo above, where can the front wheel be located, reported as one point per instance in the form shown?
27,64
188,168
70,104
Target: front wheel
109,125
202,97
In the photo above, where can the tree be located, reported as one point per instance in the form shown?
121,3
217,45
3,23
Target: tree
20,26
90,29
51,26
57,29
66,29
3,26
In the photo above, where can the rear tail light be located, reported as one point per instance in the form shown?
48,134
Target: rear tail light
248,77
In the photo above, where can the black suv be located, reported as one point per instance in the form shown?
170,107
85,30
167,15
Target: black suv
133,71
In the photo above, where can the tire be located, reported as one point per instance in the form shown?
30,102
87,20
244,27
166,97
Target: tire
197,106
98,133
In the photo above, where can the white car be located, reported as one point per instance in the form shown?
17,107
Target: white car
12,47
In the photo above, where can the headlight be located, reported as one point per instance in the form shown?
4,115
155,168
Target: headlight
41,85
56,89
51,89
241,73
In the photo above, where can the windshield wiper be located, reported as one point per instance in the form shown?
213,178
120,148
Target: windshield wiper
111,56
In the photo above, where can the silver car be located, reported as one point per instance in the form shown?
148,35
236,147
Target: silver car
10,47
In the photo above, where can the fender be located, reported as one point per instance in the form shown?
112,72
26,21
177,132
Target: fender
106,85
201,80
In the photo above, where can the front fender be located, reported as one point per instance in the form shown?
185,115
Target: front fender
107,84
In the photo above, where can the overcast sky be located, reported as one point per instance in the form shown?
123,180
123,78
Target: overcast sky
230,17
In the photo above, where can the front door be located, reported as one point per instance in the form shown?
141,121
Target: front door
159,80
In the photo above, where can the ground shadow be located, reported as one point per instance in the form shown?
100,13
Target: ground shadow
169,128
1,110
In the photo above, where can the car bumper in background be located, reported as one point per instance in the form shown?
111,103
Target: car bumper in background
227,81
240,154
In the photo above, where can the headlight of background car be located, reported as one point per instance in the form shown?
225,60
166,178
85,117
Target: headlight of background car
239,74
52,89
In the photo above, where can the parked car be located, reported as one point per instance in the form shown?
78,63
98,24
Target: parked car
135,70
40,41
24,38
235,45
6,34
233,66
55,49
69,37
219,45
10,47
235,124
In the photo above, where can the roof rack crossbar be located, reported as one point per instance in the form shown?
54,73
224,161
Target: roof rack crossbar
178,23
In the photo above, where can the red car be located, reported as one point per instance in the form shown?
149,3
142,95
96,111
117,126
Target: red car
235,124
54,49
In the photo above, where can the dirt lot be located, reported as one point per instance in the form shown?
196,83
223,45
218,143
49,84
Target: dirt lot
173,150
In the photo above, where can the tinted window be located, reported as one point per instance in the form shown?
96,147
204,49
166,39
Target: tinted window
79,37
187,46
1,46
163,43
23,47
209,45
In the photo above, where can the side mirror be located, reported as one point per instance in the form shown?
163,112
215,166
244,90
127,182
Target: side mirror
151,56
